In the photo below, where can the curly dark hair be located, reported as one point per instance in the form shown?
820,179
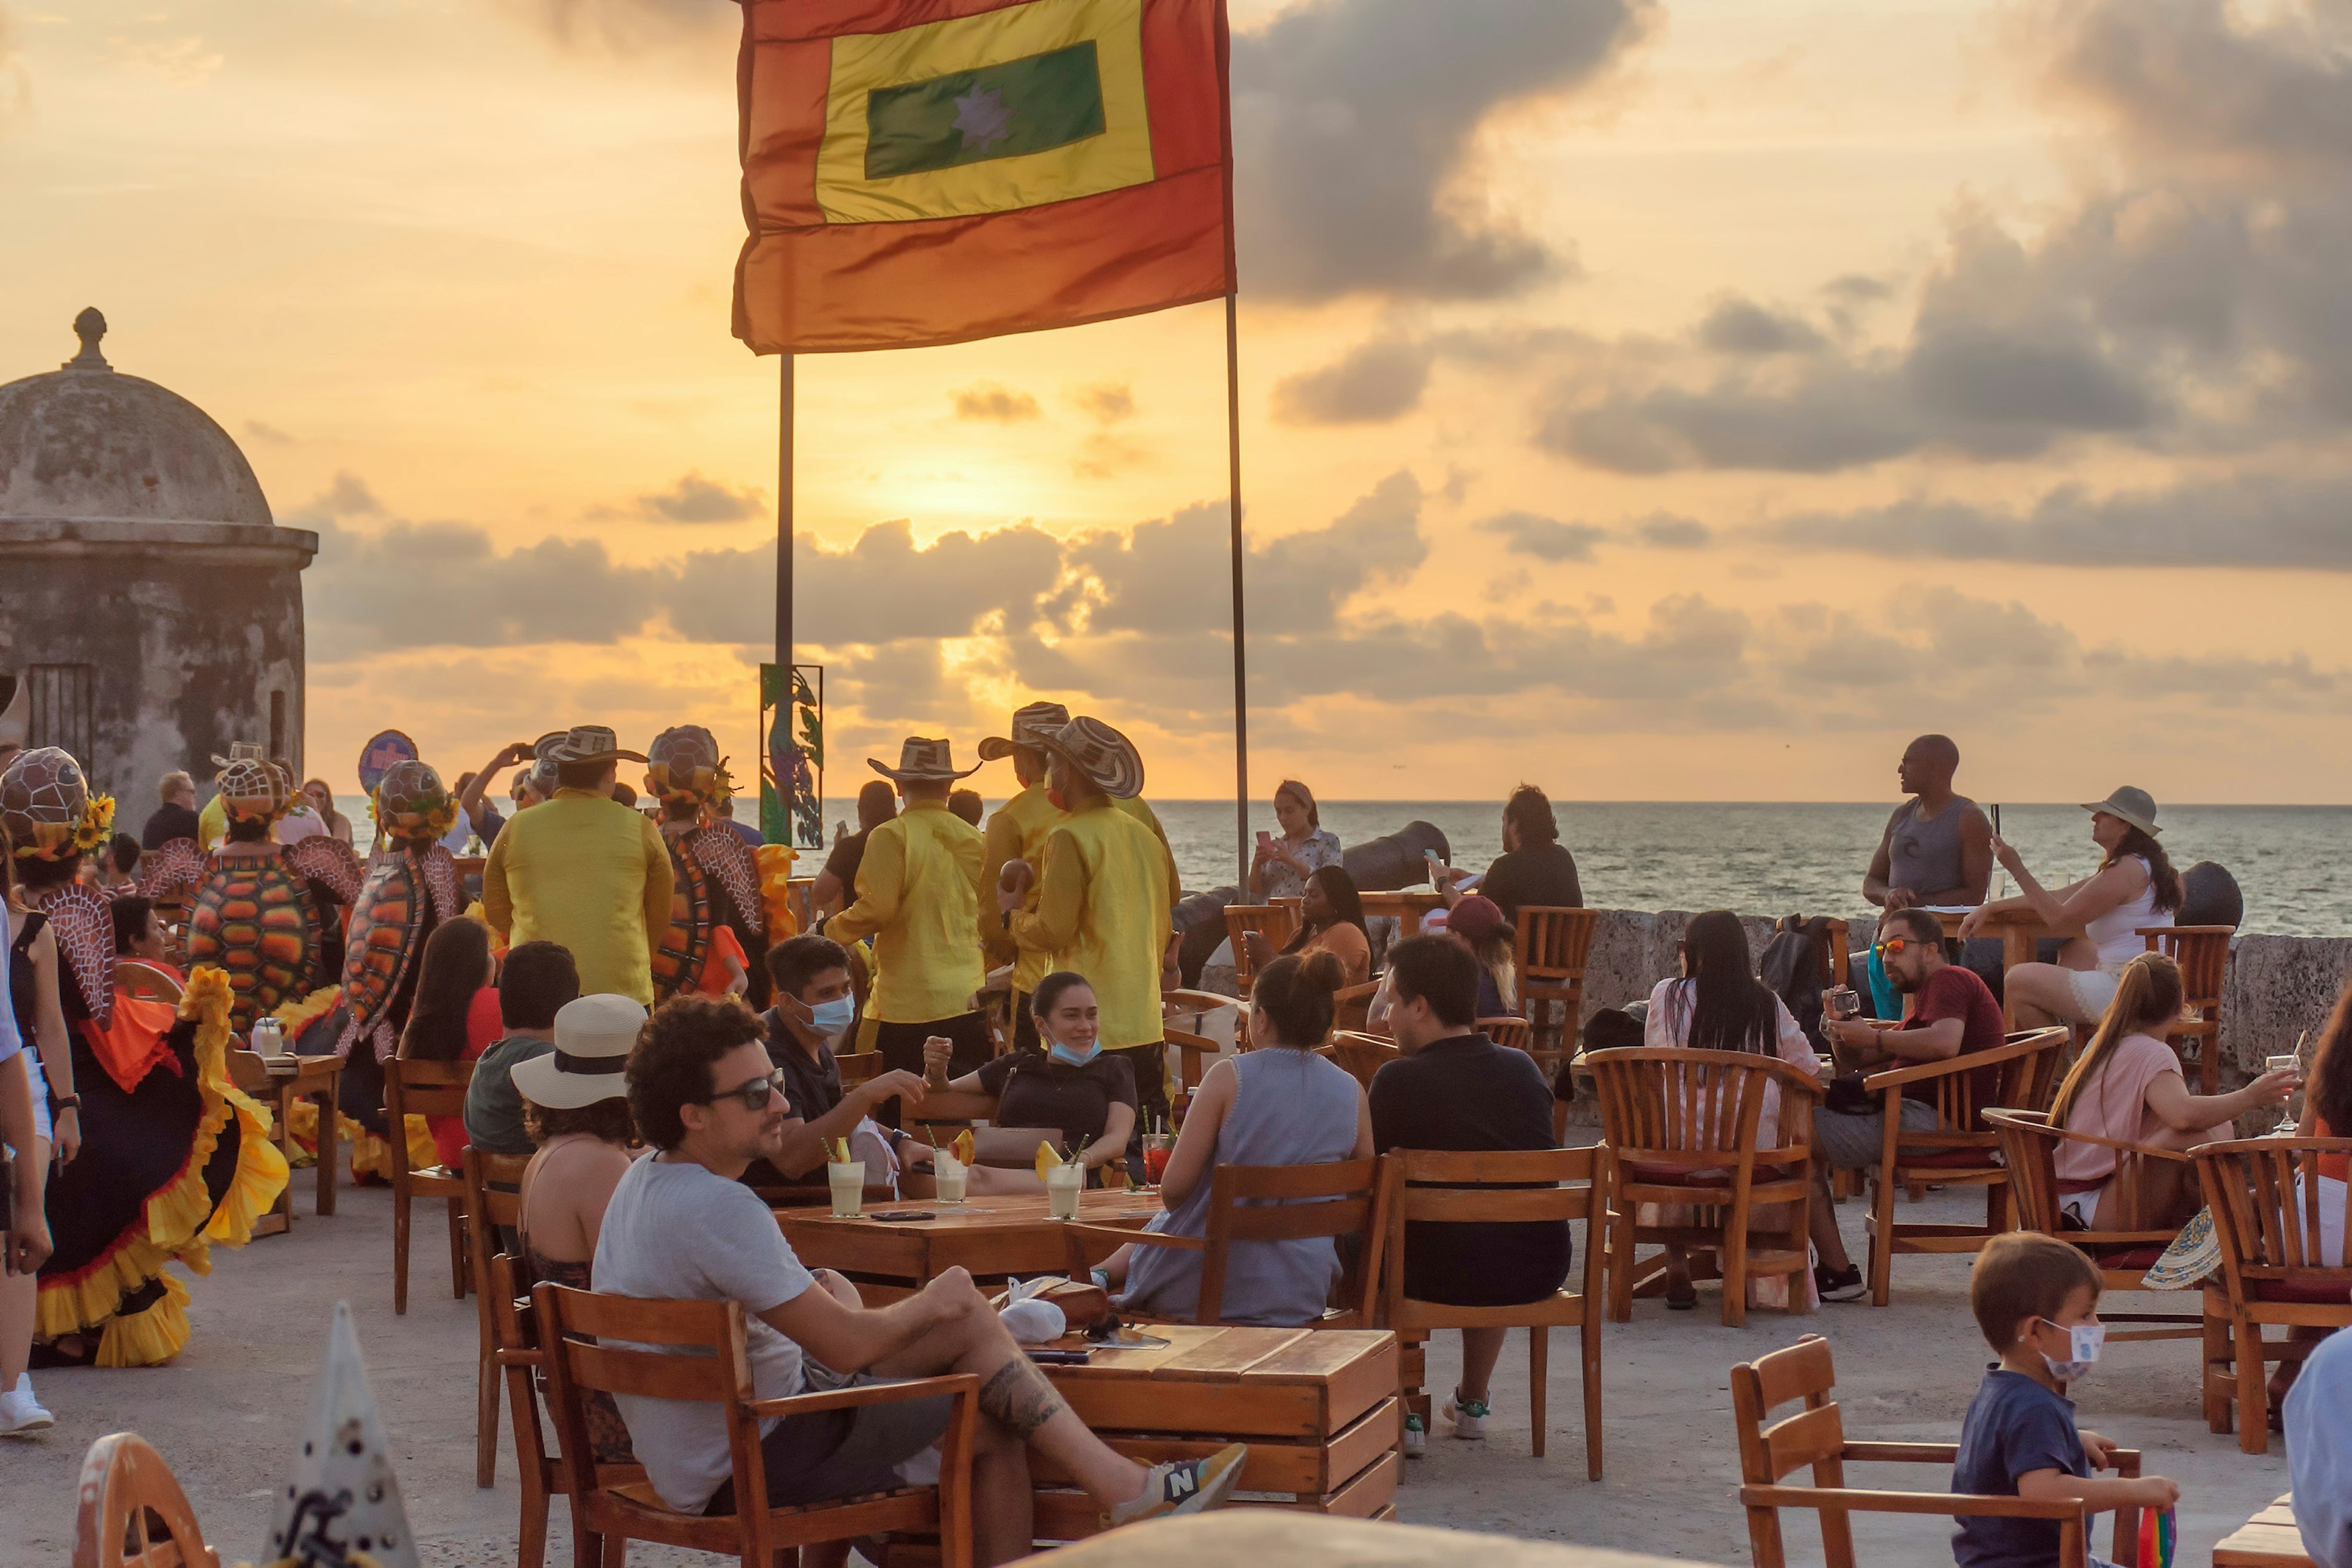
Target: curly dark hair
610,1120
670,1066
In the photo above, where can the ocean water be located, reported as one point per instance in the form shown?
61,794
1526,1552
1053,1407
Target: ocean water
2293,863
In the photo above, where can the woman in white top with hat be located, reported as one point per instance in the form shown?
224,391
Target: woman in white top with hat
2135,886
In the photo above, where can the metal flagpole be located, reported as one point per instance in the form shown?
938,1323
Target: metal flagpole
1234,513
785,534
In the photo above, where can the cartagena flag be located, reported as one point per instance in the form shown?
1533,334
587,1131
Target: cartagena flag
934,170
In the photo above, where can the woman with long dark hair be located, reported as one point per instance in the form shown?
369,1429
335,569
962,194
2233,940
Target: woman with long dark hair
2133,887
2127,1085
1330,919
2327,1113
454,1016
1717,1004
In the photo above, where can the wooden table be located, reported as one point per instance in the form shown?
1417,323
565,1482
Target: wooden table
2020,933
2269,1539
1254,1536
1407,905
1318,1408
990,1236
278,1082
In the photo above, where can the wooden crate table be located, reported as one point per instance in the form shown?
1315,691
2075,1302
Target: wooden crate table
2269,1539
279,1083
989,1237
2020,933
1318,1408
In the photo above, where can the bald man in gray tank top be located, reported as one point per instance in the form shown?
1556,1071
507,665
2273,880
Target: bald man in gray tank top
1938,846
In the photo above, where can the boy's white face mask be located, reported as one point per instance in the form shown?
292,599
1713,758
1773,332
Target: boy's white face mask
2084,1342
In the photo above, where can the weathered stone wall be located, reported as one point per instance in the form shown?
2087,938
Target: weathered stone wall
188,628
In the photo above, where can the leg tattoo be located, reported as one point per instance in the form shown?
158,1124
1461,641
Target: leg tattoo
1018,1398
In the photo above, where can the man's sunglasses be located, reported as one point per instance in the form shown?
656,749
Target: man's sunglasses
753,1096
1895,946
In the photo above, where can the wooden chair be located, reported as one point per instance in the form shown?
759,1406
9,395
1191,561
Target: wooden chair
1277,922
1264,1203
1681,1128
1194,1055
859,1066
145,981
493,1198
1958,1150
1549,947
2266,1198
1444,1187
422,1089
1816,1436
1509,1030
1362,1055
126,1494
2203,954
2028,1147
694,1350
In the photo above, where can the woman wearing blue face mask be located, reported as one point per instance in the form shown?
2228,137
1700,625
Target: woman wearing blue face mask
1069,1094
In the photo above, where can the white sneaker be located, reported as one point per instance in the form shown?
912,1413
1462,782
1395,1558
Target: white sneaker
1183,1486
21,1415
1416,1438
1469,1418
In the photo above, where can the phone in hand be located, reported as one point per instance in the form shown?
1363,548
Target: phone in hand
1264,841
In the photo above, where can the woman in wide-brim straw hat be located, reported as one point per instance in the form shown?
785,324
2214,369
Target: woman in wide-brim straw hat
2133,887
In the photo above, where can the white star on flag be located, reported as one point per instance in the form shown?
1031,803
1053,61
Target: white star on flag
982,116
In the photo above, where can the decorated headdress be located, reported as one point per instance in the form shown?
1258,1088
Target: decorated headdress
684,763
48,809
412,806
252,788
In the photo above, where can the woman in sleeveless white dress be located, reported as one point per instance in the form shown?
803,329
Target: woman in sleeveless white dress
2135,886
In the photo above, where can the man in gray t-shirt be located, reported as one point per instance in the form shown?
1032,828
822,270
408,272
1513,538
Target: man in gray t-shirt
680,1223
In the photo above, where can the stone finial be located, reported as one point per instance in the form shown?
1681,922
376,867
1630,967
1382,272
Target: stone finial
89,326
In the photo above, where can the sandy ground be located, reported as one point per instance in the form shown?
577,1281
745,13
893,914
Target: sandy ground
225,1414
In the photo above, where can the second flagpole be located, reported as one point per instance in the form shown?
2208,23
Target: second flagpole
1240,652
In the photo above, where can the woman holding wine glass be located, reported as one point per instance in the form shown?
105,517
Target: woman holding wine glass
2128,1086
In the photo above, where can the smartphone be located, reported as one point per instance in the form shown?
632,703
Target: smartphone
1060,1358
1265,839
904,1216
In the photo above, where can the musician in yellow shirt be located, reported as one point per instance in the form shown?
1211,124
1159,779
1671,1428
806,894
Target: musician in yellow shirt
919,899
1105,886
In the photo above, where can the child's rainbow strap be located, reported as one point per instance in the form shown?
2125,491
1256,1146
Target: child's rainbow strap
2159,1536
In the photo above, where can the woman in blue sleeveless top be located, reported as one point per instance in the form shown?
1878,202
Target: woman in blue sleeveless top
1280,1104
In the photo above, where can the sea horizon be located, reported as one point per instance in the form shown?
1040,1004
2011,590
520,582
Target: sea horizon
1773,857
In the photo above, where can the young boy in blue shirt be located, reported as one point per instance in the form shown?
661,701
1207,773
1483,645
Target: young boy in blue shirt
2036,1301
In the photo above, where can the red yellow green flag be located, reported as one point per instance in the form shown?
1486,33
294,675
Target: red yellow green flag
934,170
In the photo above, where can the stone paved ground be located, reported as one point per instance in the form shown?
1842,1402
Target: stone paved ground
224,1415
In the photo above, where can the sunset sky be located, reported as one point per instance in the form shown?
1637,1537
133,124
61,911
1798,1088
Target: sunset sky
1680,400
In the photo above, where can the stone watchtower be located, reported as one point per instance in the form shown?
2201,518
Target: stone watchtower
149,605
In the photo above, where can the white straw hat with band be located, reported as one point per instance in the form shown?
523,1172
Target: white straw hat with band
1032,727
593,1037
1102,753
923,762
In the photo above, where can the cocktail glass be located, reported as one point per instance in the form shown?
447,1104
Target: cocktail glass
1063,1184
847,1180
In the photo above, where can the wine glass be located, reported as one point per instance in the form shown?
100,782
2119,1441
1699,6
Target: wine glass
2292,1062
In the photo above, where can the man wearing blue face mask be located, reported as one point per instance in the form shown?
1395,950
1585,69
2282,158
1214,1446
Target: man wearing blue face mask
813,1008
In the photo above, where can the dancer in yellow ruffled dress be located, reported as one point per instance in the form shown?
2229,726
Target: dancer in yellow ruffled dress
174,1158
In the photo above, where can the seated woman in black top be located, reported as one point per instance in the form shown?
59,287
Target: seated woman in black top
1454,1088
1071,1094
1535,869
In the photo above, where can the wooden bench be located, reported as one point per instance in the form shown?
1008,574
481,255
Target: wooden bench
1318,1407
2269,1539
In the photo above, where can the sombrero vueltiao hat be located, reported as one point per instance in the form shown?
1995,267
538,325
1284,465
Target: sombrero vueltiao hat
1031,726
923,762
1102,753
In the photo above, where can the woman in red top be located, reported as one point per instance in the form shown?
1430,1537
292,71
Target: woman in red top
455,1016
